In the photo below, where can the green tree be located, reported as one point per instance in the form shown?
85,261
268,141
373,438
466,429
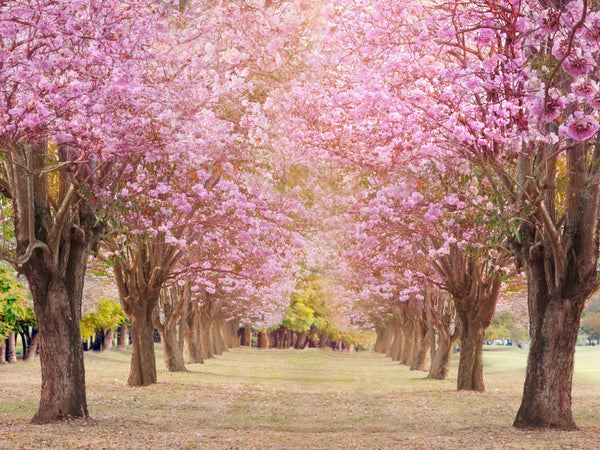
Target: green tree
590,321
102,322
505,326
15,311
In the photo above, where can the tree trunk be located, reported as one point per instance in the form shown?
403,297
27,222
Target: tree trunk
123,339
475,314
2,351
470,366
216,332
231,327
263,339
554,325
61,353
206,346
33,346
143,361
388,338
12,348
109,337
397,334
192,342
408,346
421,354
441,355
172,348
246,336
300,341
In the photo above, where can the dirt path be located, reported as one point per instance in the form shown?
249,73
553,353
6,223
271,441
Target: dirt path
286,399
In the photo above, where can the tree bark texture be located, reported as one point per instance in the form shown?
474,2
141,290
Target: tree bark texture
55,230
441,316
559,251
474,286
140,274
173,304
192,337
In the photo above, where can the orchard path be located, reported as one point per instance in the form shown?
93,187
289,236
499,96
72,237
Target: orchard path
291,399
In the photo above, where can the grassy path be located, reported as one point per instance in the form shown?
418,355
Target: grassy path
289,399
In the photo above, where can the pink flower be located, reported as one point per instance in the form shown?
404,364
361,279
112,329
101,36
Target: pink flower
577,66
548,20
591,31
549,110
579,126
585,88
560,48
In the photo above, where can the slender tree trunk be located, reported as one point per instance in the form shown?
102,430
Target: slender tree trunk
2,351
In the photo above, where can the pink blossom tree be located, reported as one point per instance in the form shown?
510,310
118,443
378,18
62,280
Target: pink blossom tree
65,69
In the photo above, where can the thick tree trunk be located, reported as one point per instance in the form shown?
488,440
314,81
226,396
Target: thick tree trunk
143,360
61,353
470,366
554,324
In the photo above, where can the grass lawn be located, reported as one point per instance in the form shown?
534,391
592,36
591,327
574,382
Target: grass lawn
290,399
